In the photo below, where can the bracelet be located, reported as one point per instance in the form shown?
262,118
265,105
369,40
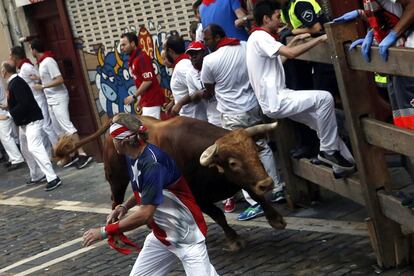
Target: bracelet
123,206
43,86
104,235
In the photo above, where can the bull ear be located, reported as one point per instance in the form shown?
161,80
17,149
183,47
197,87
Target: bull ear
258,130
206,158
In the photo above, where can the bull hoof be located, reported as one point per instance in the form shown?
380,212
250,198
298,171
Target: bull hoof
279,224
236,245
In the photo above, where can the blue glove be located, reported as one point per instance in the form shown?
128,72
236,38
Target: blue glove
386,43
366,46
355,43
347,17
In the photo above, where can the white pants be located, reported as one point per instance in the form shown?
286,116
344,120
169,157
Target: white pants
158,259
59,114
247,119
34,151
48,129
9,144
153,111
314,108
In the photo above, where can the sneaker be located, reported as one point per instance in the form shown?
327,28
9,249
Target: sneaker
13,167
32,182
83,161
251,212
278,197
336,160
72,161
53,184
229,205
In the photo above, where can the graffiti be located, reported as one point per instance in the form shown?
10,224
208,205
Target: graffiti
113,79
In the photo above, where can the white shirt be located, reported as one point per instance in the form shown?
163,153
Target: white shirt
3,99
48,70
394,7
226,68
209,106
199,33
265,68
25,72
179,87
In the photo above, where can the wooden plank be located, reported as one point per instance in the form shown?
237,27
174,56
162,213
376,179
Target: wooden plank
298,190
321,175
399,62
388,136
321,53
354,86
392,208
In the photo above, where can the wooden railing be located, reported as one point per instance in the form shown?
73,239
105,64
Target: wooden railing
371,185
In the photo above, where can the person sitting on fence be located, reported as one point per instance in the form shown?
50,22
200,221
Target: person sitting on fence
314,108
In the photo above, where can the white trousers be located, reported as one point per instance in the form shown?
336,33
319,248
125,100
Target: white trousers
158,259
48,129
153,111
247,119
59,114
8,141
34,151
314,108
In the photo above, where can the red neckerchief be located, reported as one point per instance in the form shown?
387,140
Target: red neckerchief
45,55
133,55
23,61
181,57
208,2
225,41
275,36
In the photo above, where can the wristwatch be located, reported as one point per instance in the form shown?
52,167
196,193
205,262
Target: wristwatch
134,97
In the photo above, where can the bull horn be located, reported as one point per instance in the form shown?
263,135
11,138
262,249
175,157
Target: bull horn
206,157
260,129
119,61
101,58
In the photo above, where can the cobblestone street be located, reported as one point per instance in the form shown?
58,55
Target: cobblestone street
41,235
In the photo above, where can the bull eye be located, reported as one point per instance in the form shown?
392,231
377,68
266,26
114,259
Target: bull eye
233,163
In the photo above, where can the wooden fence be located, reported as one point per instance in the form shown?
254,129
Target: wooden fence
390,224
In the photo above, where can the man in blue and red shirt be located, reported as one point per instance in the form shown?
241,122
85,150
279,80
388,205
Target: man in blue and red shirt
165,203
141,69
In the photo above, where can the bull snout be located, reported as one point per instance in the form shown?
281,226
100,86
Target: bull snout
264,186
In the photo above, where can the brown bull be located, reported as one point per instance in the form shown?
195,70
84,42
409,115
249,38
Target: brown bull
229,161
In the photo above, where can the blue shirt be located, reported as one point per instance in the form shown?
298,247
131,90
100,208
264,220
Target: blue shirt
222,13
153,171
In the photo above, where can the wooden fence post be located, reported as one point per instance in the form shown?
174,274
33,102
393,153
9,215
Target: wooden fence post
356,94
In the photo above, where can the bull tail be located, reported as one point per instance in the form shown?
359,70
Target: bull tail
66,145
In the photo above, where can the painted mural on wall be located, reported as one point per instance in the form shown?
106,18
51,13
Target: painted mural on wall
113,79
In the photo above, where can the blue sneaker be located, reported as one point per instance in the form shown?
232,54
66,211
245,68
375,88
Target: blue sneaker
251,212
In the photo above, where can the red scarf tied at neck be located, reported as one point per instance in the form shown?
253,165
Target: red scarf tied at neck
226,41
275,36
180,57
208,2
23,61
45,55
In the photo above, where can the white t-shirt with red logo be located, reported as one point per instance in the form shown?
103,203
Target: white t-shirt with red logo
226,68
265,68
